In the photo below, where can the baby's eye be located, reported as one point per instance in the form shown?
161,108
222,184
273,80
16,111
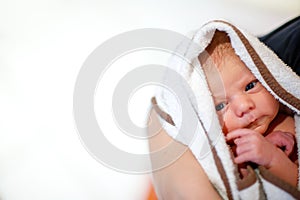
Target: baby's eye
220,106
251,85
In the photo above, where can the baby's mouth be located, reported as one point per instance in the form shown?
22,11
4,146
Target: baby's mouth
253,125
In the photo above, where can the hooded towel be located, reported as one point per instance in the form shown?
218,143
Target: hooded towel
188,114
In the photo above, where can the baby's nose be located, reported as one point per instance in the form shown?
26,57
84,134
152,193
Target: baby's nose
242,104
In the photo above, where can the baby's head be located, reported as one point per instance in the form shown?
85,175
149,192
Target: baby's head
240,99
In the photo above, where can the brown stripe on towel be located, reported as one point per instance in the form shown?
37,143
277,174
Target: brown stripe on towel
161,113
247,181
221,170
279,182
250,180
217,159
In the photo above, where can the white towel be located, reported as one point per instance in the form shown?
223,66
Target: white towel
192,119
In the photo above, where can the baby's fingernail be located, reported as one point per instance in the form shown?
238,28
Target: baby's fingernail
236,141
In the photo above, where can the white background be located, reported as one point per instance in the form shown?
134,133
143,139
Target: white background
43,44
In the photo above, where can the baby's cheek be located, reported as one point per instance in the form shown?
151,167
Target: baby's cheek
221,118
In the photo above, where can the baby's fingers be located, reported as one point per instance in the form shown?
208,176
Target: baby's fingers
238,133
244,157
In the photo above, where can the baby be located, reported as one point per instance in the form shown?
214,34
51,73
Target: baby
257,127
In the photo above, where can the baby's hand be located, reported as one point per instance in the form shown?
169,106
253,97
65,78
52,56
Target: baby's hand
282,140
251,146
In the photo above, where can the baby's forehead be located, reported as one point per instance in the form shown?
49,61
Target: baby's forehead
223,60
228,67
219,54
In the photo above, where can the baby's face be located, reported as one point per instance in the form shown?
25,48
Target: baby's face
240,99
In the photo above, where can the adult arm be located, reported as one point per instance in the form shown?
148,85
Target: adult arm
184,178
